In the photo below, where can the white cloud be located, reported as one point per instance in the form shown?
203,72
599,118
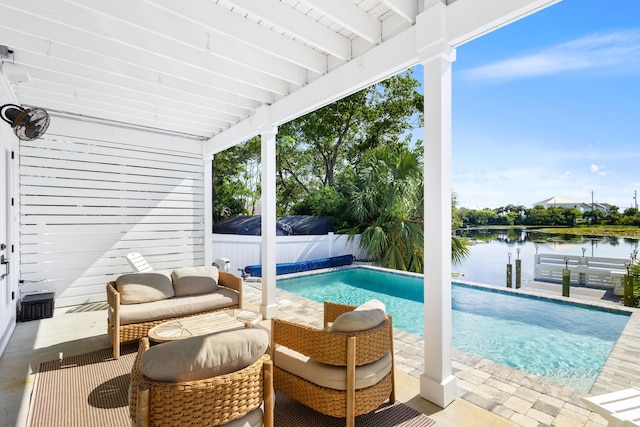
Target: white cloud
593,51
598,170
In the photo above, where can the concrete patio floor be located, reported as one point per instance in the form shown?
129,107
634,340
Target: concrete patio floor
489,394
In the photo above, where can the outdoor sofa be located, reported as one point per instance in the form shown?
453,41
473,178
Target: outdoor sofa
139,301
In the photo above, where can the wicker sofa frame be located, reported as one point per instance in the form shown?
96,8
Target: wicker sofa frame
338,349
122,333
207,402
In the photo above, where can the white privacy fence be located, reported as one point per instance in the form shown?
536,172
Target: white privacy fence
588,271
90,194
247,250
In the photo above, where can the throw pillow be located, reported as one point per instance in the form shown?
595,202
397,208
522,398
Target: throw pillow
136,288
194,280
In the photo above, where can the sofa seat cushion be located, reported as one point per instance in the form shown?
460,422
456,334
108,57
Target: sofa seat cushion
194,280
204,356
136,288
177,306
329,376
366,316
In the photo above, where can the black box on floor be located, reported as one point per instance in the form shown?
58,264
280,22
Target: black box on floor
36,306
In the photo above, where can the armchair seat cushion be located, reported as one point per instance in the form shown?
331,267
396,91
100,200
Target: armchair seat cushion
205,356
252,419
329,376
177,306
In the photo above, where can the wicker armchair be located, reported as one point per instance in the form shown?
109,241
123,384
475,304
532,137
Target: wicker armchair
345,350
208,402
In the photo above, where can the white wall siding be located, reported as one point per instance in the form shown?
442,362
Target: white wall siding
88,200
246,250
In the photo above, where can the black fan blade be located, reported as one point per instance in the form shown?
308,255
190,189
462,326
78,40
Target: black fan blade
33,129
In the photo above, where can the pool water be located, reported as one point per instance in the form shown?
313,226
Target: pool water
563,342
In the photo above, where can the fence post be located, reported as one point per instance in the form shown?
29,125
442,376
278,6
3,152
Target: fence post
566,278
582,277
628,288
509,272
536,265
518,269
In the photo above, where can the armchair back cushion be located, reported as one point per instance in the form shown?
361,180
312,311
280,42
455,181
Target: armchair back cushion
364,317
195,280
205,356
136,288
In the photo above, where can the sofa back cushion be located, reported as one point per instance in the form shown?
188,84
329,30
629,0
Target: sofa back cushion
204,356
194,280
367,316
135,288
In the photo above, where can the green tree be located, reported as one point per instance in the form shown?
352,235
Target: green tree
594,216
538,216
326,201
630,216
613,216
634,300
386,197
457,216
459,247
475,217
313,150
236,180
383,198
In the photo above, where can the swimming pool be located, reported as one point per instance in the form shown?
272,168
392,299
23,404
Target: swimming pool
563,342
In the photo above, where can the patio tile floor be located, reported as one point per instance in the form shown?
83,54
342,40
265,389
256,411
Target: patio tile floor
490,394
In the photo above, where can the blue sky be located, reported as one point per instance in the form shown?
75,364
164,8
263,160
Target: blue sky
550,106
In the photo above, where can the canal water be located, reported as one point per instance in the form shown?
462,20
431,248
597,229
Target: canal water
487,262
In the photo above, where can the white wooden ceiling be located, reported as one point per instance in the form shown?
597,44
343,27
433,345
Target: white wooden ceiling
193,66
200,67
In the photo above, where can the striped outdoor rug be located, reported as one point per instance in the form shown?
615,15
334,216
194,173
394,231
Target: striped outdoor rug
92,390
85,390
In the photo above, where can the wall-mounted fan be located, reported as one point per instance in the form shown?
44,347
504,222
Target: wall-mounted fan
27,123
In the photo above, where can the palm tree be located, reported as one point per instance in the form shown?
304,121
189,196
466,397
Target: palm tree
459,247
386,197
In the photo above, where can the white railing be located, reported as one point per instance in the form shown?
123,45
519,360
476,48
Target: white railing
247,250
587,271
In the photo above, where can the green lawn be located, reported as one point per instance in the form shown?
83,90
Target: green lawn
602,230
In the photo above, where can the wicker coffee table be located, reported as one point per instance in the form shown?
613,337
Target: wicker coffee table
218,321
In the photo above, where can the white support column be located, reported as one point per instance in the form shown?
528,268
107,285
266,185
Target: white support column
437,384
208,209
269,307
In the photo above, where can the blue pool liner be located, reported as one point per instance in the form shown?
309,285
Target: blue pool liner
297,267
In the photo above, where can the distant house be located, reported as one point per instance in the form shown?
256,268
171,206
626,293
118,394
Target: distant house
559,202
